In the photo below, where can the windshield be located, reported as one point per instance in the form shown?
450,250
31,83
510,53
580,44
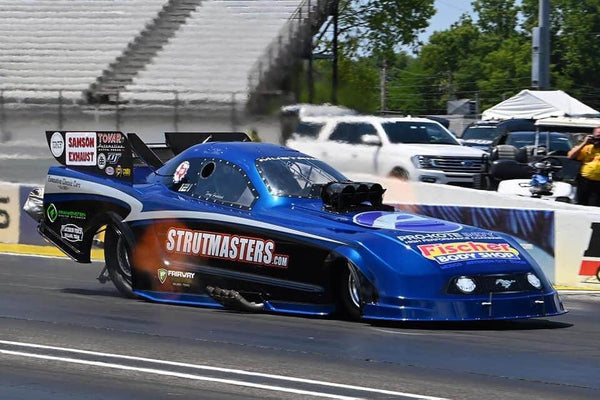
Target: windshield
559,142
296,176
480,133
418,132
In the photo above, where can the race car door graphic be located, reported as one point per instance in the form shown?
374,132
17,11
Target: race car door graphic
222,243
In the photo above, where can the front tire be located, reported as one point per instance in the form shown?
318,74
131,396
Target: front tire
399,173
348,295
117,256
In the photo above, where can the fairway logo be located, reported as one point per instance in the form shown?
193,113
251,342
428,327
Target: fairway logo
51,213
162,275
505,283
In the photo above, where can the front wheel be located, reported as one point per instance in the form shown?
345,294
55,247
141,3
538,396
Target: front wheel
399,173
348,298
117,256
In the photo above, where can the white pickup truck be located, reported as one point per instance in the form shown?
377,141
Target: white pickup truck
416,149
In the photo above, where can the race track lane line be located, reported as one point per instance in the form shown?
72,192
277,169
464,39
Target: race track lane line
204,367
178,375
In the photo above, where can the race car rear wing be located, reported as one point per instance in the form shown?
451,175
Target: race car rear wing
114,154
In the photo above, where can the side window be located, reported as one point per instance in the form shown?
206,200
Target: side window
351,132
225,183
308,129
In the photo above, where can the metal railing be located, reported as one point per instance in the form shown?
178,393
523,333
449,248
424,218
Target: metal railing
287,47
170,104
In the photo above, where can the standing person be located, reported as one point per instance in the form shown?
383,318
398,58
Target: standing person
588,180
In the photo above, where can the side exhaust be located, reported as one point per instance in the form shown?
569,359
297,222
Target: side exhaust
233,299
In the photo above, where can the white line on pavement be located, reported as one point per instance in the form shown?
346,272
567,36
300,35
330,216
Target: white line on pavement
226,370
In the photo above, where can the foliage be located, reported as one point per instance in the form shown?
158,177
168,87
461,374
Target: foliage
487,57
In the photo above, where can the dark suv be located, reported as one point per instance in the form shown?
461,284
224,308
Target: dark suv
482,134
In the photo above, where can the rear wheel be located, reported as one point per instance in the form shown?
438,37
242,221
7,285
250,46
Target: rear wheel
117,256
349,298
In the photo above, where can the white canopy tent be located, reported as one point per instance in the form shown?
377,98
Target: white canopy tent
532,104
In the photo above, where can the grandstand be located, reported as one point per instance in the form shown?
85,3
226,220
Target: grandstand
139,52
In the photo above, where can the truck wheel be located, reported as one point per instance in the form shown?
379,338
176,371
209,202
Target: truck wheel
399,173
348,297
117,256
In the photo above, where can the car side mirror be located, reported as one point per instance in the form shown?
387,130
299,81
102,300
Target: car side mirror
370,139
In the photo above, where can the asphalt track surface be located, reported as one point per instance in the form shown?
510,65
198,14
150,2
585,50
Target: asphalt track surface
65,336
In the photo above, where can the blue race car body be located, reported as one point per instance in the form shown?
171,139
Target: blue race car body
261,227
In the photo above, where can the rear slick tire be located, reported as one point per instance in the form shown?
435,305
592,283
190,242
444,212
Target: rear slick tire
117,257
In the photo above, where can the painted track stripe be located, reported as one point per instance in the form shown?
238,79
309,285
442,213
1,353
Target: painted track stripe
178,375
47,251
225,370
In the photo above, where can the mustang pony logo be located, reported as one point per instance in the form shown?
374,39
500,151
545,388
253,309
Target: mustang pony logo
505,283
444,253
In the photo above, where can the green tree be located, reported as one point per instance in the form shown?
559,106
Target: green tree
497,17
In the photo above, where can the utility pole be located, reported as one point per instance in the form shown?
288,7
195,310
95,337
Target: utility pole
540,65
382,86
334,74
311,82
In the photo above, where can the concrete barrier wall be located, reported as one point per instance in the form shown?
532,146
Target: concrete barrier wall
575,259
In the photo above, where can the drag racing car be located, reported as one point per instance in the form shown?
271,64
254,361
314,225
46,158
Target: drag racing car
211,219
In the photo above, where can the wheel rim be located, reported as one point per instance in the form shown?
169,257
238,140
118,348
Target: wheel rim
353,291
123,259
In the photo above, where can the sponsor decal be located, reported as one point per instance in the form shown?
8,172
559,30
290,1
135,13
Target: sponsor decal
72,214
162,275
223,246
444,253
401,221
450,236
105,138
113,158
101,160
64,183
71,232
126,171
178,278
185,187
51,212
181,171
81,148
57,144
505,283
590,263
118,170
109,170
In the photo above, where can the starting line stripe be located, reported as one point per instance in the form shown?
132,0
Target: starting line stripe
47,251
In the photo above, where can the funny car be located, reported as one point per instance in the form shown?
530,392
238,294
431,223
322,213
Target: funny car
214,220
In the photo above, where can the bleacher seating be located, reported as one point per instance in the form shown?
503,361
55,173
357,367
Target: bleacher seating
214,51
51,45
146,50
